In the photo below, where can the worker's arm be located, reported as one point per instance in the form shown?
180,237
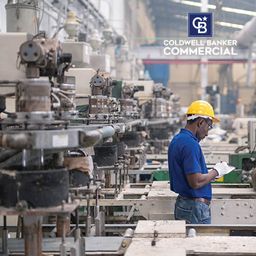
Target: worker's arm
198,180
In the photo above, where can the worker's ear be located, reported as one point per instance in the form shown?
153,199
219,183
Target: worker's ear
200,122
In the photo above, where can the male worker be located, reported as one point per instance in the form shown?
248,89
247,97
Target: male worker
188,172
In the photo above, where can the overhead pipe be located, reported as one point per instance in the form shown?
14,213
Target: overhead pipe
96,14
246,36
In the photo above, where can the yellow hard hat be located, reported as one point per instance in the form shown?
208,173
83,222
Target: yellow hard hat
202,108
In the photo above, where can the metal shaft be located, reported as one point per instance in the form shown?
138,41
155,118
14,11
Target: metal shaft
33,235
63,225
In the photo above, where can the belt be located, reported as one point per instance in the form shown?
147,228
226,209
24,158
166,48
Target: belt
197,199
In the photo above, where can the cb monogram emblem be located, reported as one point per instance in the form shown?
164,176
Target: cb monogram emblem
200,24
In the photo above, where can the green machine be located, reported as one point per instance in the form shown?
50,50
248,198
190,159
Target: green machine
161,175
233,177
244,163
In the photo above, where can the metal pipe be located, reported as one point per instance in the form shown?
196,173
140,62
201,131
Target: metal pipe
63,225
133,123
33,235
90,138
88,216
67,98
129,232
41,157
9,82
249,67
52,10
7,153
99,18
55,104
24,158
16,141
5,237
246,36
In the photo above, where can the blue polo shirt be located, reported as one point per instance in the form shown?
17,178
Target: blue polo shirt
185,157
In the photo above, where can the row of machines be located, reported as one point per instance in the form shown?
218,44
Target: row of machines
61,153
43,147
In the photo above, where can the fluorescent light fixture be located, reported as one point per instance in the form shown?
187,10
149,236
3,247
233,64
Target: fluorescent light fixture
220,23
230,25
196,4
181,16
239,11
213,7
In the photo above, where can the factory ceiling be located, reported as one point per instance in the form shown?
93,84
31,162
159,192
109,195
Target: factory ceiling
170,16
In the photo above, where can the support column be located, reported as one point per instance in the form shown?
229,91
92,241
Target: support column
204,65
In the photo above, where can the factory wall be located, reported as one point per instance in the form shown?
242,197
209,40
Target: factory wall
145,28
185,81
129,18
113,11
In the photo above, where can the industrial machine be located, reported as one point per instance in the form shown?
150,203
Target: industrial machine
36,139
136,134
245,162
162,112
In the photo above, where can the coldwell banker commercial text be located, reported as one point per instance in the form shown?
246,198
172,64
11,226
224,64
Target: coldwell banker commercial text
200,47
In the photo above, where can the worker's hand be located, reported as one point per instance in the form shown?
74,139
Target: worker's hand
223,168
